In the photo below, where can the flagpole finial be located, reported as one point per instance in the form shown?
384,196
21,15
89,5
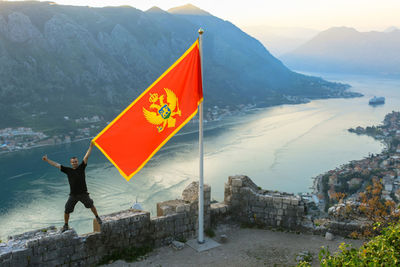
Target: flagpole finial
201,31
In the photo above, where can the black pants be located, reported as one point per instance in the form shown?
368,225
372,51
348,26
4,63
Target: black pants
73,199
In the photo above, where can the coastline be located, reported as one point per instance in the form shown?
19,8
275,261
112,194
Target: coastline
254,119
45,145
218,114
380,165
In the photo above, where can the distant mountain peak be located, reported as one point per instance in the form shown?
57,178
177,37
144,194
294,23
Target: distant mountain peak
188,9
346,50
155,9
391,29
341,29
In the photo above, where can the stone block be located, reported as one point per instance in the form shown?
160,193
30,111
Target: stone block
259,203
329,236
177,245
280,212
5,256
257,209
237,183
235,203
286,200
223,238
18,262
294,202
191,192
50,255
261,198
268,198
180,209
6,263
186,207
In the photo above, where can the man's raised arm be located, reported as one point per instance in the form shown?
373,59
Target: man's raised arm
86,157
52,163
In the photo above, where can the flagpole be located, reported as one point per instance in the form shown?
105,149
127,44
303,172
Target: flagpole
200,239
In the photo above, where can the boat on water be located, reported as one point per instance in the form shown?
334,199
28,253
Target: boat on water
377,100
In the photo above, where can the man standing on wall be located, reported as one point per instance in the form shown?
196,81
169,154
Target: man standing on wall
77,184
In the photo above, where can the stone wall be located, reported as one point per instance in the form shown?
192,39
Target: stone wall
346,228
176,219
253,205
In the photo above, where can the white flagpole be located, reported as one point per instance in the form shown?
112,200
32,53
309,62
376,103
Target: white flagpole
200,239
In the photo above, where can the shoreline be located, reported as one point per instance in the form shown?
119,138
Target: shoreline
240,111
376,165
44,145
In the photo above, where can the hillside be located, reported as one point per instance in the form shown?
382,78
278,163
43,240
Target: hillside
61,63
345,50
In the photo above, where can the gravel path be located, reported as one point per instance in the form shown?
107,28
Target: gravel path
244,247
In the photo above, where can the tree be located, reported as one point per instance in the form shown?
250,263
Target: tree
378,211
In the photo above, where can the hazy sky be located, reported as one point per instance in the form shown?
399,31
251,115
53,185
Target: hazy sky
316,14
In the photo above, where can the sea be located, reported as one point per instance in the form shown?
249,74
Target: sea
280,148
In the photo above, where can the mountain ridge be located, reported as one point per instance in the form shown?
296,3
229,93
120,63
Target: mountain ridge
344,49
79,61
188,9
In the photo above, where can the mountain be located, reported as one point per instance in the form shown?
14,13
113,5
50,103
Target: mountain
280,40
59,64
391,29
345,50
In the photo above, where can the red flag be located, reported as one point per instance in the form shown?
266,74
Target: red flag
136,134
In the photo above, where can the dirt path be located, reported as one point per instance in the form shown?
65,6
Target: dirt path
244,247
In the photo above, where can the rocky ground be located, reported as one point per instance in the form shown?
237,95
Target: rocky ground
244,247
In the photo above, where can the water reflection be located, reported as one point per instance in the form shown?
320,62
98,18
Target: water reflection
280,148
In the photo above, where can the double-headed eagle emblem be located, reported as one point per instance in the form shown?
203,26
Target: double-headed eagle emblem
165,112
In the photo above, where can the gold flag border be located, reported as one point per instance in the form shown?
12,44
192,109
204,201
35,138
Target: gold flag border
128,177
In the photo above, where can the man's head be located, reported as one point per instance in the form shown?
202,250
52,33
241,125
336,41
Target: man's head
74,162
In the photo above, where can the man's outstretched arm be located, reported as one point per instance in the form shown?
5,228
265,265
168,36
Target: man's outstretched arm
86,157
52,163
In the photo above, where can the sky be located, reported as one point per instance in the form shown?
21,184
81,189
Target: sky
364,15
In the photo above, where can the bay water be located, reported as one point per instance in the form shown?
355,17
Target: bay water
279,148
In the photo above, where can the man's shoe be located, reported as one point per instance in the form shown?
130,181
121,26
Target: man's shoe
65,228
99,221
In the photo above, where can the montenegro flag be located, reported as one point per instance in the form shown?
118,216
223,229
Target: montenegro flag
136,134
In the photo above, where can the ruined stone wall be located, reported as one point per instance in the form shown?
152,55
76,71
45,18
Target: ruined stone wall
129,228
346,228
253,205
176,219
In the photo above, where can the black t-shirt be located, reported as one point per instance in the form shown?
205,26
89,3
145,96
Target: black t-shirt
76,179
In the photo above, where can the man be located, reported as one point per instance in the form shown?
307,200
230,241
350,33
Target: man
77,184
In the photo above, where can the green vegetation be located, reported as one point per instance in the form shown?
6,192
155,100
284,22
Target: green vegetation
325,188
343,185
111,61
181,239
394,143
209,232
305,258
382,250
379,212
129,254
373,131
